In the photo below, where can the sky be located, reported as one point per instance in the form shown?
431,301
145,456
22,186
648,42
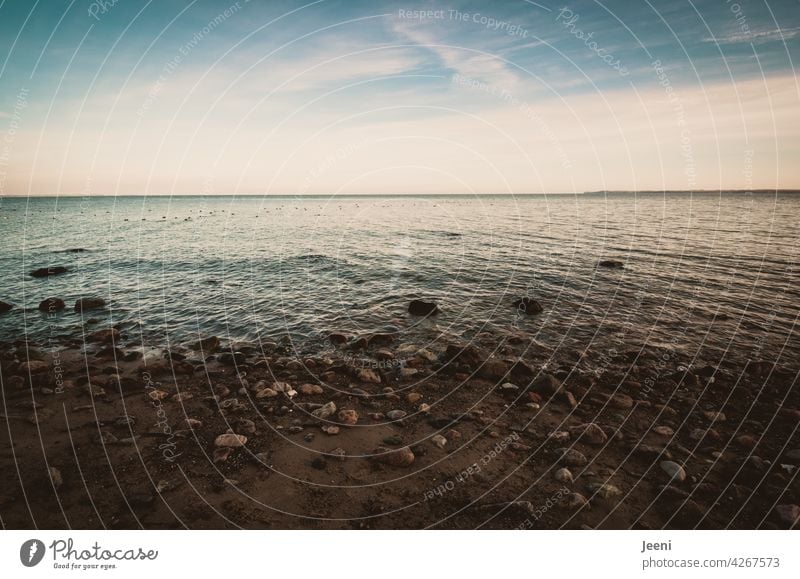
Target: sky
331,97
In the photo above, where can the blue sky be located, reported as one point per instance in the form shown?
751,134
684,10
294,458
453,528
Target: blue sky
331,97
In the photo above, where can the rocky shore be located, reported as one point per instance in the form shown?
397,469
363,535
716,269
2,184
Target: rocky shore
374,432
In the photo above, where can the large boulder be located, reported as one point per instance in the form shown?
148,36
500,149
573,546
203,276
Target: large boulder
52,305
84,304
422,308
48,271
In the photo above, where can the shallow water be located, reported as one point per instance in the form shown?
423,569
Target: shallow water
702,270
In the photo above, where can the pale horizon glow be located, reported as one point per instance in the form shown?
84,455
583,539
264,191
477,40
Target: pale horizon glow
336,99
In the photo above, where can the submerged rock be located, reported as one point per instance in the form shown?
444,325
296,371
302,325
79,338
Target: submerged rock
612,263
89,304
422,308
52,305
4,307
48,271
528,306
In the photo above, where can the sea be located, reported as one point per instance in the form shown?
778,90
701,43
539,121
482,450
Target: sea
712,275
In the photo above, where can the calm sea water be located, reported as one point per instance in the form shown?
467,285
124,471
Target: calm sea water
700,270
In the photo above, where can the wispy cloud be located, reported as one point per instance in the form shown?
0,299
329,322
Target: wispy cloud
755,36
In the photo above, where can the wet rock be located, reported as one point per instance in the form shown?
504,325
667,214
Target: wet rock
209,344
5,306
48,271
104,336
34,367
396,414
528,306
788,514
52,305
337,338
348,417
369,375
572,457
402,457
325,411
564,475
84,304
422,308
230,440
611,263
675,471
590,433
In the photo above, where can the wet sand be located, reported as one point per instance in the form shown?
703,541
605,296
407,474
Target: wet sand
465,436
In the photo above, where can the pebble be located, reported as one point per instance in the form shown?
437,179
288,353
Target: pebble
230,440
621,401
310,389
424,408
789,514
675,471
564,475
325,411
266,393
222,454
663,430
330,429
348,417
439,440
401,457
369,375
572,457
414,397
576,501
604,490
396,414
193,423
157,395
590,433
55,477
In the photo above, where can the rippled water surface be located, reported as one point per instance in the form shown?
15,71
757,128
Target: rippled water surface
703,269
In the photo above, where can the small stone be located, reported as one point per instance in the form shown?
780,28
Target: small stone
156,395
564,475
266,393
604,490
396,414
572,457
509,388
339,454
590,433
245,425
348,417
325,411
439,440
789,514
714,416
55,477
222,454
576,501
414,397
310,389
675,471
621,401
193,423
424,408
394,440
663,430
369,375
230,440
330,429
401,457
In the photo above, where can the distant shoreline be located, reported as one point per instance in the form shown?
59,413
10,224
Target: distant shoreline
425,195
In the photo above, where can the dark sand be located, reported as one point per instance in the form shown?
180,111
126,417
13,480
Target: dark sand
124,457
